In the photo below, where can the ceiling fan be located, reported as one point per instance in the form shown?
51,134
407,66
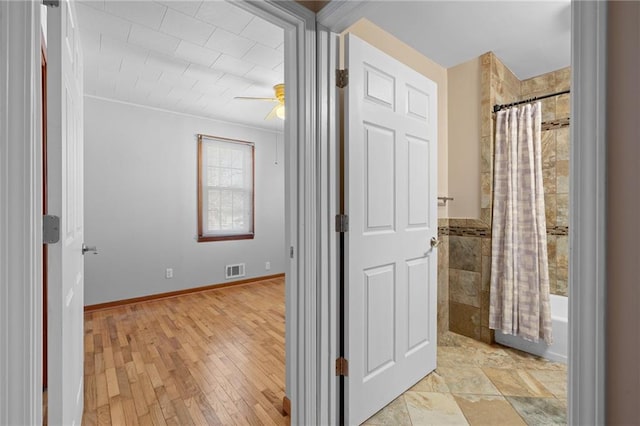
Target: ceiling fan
278,110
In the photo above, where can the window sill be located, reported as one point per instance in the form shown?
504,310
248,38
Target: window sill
207,238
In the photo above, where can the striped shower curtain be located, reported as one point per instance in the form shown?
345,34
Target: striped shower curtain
519,302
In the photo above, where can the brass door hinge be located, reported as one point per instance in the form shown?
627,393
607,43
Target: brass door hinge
342,78
342,367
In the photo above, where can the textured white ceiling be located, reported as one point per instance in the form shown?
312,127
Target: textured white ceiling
530,37
195,56
186,56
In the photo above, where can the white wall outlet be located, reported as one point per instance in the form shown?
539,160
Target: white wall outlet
267,266
168,273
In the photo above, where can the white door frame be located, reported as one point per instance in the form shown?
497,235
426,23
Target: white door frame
586,392
304,166
587,237
329,154
20,214
311,393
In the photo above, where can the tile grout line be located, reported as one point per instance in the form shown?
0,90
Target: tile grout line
407,407
461,410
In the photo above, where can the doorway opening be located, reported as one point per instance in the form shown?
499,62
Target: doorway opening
376,37
180,128
253,42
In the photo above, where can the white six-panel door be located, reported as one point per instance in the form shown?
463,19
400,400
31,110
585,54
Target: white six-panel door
65,178
390,198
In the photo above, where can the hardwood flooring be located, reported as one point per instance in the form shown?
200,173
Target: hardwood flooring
215,357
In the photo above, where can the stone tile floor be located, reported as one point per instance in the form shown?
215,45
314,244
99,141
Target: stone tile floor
480,384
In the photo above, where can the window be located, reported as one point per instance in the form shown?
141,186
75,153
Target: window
225,189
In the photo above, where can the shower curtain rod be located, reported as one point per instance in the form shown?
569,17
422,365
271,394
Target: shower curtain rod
497,108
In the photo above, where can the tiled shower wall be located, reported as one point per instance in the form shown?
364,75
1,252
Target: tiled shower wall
443,279
555,171
469,273
469,240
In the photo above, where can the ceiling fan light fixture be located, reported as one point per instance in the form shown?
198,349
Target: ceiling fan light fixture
278,110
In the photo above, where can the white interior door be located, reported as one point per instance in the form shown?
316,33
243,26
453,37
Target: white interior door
65,178
390,184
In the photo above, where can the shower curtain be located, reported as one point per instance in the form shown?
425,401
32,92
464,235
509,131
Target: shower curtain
519,297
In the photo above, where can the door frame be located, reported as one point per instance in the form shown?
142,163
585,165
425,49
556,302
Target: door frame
586,402
21,213
45,251
302,188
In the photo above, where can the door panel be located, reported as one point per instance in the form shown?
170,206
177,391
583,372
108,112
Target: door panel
379,87
380,314
418,174
379,148
65,180
418,297
390,197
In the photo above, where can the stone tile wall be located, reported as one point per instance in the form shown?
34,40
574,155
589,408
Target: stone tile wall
443,278
555,169
469,274
469,240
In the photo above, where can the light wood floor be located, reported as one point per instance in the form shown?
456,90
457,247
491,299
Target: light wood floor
215,357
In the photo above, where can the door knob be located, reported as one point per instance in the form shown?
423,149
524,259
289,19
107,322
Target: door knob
86,249
435,242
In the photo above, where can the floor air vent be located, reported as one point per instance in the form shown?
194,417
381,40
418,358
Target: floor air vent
234,271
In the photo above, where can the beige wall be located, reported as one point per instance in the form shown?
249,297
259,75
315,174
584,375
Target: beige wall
623,211
395,48
464,139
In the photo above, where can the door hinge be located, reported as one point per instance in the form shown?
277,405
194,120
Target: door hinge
291,252
342,78
342,223
50,229
51,3
342,367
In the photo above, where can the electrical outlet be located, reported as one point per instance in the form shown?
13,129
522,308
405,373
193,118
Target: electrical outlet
169,273
267,266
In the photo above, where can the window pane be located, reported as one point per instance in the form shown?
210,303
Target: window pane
213,210
238,210
214,199
237,159
225,157
213,176
212,154
213,220
225,178
226,207
248,210
237,178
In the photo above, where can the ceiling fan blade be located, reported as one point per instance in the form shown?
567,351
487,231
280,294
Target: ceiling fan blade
249,98
272,114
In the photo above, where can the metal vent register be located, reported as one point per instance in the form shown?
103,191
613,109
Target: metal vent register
234,271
